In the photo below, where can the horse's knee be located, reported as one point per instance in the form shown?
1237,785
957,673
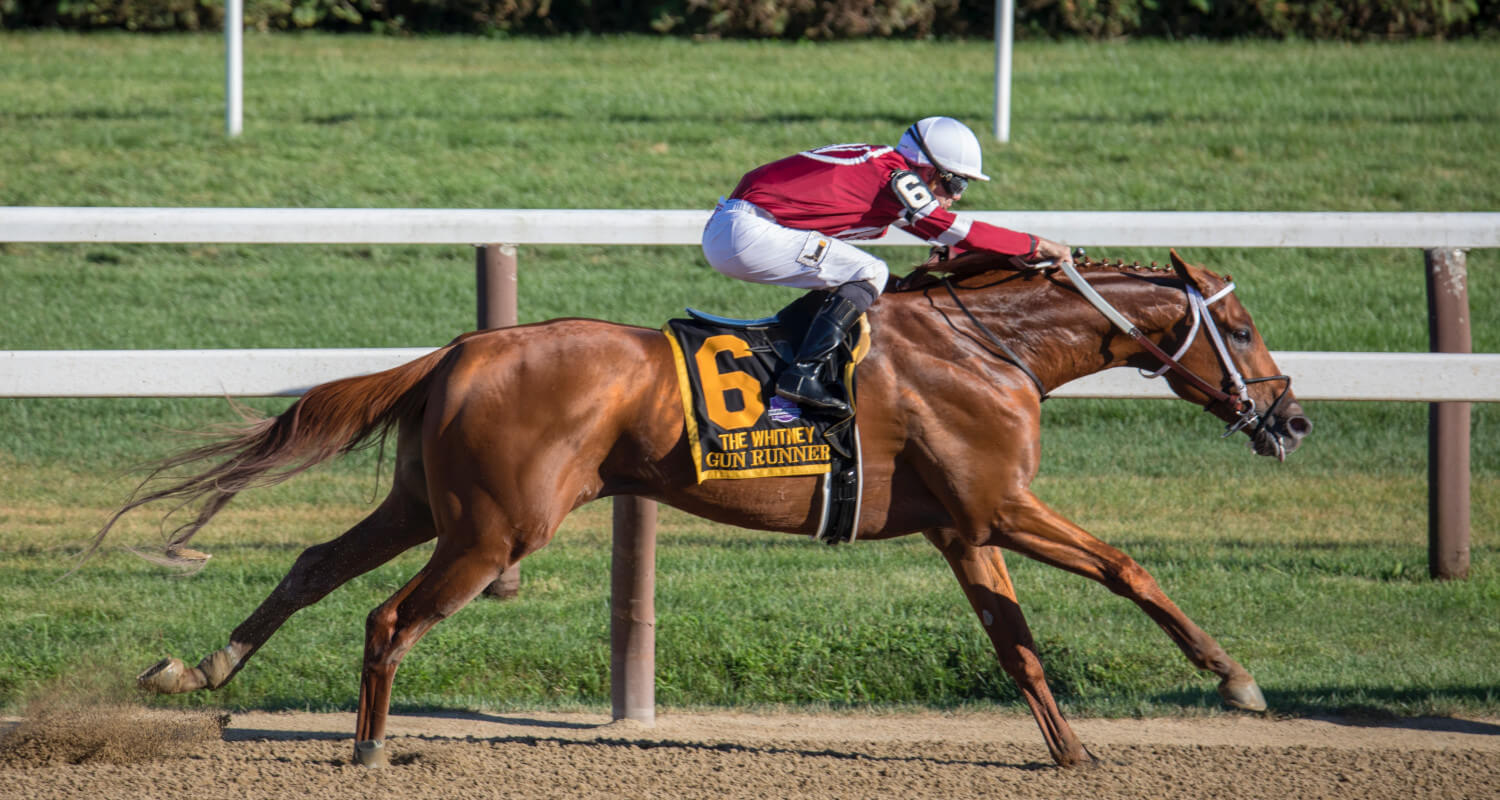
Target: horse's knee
1125,577
389,635
965,538
1022,665
380,628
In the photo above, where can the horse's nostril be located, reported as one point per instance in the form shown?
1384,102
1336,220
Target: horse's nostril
1299,426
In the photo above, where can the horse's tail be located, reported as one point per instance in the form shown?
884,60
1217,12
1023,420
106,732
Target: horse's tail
329,420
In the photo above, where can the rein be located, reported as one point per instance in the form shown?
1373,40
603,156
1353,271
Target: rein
1010,355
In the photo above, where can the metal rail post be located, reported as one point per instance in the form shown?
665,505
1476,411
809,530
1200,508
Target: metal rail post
632,618
1005,13
234,67
495,283
1448,423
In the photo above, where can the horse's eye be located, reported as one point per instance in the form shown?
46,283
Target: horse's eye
1240,335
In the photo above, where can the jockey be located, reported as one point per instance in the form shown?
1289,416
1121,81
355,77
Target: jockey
788,223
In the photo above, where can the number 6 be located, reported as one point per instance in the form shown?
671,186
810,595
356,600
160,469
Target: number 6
717,385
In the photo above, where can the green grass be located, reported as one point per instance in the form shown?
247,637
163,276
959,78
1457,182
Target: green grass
1320,599
1312,573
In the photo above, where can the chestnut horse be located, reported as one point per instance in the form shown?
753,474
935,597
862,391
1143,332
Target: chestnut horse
502,433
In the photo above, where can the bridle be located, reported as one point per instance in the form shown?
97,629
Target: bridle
1237,399
1247,416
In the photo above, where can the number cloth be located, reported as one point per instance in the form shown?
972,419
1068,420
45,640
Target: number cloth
737,427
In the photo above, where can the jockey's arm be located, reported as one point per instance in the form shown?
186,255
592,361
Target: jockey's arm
946,229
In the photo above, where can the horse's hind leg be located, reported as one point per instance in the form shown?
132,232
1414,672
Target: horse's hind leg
986,583
456,574
400,523
1031,528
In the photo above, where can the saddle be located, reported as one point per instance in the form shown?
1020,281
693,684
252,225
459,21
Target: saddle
737,426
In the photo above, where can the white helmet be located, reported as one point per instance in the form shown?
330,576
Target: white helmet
945,143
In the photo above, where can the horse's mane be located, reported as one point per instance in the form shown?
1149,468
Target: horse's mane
989,266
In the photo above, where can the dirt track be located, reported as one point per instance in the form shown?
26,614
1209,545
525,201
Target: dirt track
129,753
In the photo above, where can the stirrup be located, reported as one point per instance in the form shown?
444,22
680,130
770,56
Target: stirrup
800,384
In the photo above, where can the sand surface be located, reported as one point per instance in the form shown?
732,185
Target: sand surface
124,752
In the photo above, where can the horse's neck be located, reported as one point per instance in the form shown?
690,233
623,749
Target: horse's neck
1054,330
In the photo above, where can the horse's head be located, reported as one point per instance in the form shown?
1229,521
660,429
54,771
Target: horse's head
1212,355
1253,396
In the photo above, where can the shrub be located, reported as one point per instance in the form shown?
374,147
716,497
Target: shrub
790,19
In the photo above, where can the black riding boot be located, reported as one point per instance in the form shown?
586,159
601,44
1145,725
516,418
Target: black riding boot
802,381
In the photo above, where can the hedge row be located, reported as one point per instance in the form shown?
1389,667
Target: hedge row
790,19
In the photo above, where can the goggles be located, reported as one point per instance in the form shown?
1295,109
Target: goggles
953,184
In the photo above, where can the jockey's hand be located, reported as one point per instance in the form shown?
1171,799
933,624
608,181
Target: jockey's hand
1048,250
935,258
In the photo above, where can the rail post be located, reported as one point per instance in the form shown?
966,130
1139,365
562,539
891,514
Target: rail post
632,606
495,286
1448,423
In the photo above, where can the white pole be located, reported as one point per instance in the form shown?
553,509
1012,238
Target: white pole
234,27
1004,33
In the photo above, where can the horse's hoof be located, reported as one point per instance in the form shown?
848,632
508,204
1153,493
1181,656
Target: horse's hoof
1082,759
163,677
370,753
1243,694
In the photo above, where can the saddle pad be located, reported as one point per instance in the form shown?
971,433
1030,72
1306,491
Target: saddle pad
737,426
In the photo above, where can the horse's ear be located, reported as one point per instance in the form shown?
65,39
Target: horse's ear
1194,276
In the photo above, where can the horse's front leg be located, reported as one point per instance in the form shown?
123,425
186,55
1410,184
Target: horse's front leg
986,583
1029,527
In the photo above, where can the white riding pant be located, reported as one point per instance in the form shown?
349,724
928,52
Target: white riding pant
743,241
